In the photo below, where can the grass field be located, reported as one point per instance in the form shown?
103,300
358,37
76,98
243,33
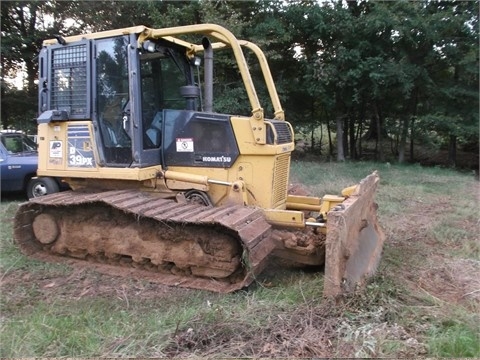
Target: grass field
423,302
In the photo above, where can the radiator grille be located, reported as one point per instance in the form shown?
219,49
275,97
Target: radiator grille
283,130
69,79
280,180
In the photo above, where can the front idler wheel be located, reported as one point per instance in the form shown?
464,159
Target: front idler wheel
45,229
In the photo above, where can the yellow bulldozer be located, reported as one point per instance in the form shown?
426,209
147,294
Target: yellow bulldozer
166,189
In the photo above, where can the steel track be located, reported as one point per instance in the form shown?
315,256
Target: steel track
112,232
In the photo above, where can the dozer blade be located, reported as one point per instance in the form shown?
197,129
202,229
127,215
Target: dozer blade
354,240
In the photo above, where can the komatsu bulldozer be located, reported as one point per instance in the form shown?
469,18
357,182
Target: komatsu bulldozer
163,187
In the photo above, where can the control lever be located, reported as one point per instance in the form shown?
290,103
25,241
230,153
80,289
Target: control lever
126,122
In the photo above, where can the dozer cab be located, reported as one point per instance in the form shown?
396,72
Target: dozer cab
167,189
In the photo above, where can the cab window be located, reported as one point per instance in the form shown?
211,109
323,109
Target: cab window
163,73
112,98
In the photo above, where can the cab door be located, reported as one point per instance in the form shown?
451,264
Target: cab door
113,103
164,73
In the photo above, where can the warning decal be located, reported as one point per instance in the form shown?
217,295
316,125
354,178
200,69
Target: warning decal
56,149
184,145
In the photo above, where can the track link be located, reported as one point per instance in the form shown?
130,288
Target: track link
137,234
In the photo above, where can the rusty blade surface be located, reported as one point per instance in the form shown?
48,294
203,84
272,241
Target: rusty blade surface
354,241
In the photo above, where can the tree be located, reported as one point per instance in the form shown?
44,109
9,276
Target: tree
24,26
456,74
398,73
377,69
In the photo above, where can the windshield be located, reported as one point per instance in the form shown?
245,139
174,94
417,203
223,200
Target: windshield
18,143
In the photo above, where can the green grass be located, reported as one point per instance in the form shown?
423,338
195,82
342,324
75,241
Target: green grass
426,213
86,329
454,340
445,197
430,217
11,259
94,327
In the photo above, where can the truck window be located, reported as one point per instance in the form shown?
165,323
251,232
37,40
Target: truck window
16,144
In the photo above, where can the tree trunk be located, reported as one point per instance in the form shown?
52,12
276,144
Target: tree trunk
312,132
378,125
320,140
30,63
31,70
345,137
412,136
452,151
403,141
330,143
312,139
412,121
361,122
340,153
359,137
353,139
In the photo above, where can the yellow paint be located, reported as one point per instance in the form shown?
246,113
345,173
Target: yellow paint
285,218
260,175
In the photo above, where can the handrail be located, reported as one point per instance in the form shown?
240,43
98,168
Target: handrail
223,35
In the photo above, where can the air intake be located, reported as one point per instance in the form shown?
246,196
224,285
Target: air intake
283,131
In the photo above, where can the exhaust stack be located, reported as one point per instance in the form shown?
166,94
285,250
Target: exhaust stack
208,56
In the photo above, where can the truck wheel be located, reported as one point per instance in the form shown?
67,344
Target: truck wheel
41,186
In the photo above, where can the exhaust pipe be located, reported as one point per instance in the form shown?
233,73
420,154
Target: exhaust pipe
208,56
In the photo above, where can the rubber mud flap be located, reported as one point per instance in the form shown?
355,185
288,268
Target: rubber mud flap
354,241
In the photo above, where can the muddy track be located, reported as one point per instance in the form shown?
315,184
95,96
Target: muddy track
136,234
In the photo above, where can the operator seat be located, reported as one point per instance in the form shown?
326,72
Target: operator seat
108,135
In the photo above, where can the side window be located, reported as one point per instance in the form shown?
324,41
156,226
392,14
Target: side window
12,145
174,80
152,102
28,144
3,154
112,90
162,76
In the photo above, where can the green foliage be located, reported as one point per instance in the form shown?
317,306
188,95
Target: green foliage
392,60
24,26
18,110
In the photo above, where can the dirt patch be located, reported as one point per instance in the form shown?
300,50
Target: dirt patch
432,157
308,331
299,190
431,271
454,281
81,283
419,217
